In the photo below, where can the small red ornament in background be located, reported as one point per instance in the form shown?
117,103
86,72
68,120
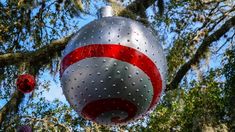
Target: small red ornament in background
24,128
25,83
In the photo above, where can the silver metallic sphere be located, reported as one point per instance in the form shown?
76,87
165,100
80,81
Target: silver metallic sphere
113,71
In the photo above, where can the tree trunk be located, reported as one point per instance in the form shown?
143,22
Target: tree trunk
11,106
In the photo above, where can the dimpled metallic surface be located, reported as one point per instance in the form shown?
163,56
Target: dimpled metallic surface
113,71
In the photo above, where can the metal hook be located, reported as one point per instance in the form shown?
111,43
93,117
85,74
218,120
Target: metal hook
106,11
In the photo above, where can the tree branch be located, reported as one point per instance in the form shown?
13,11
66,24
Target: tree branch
136,10
41,55
200,52
135,6
11,106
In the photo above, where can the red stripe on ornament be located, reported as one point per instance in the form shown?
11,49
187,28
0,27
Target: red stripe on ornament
94,109
122,53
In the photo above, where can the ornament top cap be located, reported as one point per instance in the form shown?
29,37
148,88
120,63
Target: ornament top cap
105,11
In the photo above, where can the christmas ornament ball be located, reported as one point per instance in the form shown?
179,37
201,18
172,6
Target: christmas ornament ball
25,83
113,70
24,128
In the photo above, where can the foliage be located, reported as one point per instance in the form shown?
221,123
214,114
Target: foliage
229,71
28,25
188,110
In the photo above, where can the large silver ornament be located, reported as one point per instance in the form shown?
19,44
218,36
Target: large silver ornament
113,70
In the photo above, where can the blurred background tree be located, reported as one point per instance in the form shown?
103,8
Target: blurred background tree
197,36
